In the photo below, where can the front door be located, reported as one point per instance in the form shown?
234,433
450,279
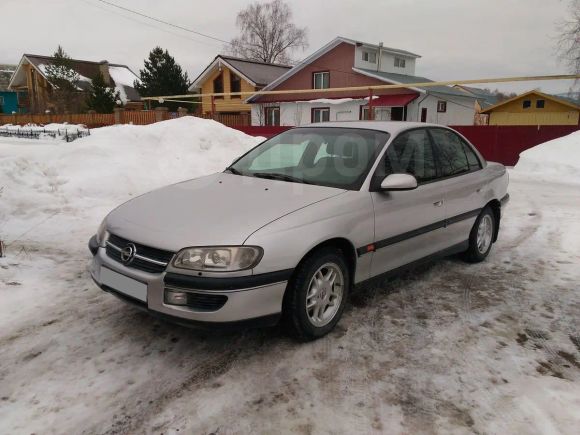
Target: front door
409,224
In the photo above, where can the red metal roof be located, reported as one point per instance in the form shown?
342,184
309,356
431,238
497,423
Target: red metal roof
395,100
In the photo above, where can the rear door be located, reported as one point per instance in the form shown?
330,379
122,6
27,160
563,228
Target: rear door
461,177
408,224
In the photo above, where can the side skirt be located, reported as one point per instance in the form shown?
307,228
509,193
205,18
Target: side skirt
452,250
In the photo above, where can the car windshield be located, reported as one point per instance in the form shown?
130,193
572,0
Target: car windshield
326,156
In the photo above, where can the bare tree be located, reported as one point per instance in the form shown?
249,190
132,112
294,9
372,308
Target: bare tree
267,33
569,38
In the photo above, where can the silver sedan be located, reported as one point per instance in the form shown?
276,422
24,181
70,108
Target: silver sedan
295,224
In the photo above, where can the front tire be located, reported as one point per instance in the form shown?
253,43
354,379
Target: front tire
481,236
317,294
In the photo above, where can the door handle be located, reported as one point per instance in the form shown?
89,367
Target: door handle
438,203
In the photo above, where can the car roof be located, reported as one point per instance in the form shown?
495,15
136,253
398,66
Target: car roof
391,127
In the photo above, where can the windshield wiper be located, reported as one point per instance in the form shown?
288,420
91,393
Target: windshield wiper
233,170
282,177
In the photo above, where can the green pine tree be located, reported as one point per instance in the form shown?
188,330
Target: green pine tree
162,76
66,95
101,98
60,71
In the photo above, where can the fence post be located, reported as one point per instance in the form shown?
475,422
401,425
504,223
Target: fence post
161,113
92,114
181,111
119,115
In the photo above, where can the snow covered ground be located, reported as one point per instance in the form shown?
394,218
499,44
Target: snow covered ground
450,348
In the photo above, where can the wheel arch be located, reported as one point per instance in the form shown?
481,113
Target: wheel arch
343,245
495,206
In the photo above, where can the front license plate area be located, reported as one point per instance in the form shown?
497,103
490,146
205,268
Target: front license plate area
123,284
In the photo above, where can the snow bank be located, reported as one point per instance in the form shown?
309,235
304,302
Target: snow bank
556,160
54,191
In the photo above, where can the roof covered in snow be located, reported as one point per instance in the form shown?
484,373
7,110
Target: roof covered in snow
121,78
256,73
6,72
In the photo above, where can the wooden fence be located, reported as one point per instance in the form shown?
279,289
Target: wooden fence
93,120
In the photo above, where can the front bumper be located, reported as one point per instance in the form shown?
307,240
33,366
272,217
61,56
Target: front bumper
255,299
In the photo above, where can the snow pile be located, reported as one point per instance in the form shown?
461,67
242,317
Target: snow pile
555,160
53,191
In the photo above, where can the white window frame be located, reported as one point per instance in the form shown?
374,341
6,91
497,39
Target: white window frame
320,110
441,106
369,56
271,110
321,74
400,62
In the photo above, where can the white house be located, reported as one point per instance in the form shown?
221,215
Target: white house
347,63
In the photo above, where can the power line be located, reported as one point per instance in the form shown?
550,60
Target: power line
163,22
143,23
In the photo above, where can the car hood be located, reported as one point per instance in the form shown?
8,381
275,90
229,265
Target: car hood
218,209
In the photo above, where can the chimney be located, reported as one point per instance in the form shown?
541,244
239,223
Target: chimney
104,68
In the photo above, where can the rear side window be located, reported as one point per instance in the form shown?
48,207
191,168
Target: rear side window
451,152
411,153
472,159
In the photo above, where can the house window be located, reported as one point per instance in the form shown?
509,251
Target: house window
364,113
399,62
369,56
527,104
540,104
272,115
321,114
321,80
218,85
235,85
441,106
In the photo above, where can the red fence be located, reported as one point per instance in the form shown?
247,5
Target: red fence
503,143
265,131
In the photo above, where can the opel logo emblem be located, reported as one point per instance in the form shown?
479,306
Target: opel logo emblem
128,253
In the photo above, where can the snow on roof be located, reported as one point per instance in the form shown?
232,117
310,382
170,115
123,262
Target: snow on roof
86,70
6,72
124,80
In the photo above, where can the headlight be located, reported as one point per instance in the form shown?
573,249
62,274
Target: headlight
102,234
218,258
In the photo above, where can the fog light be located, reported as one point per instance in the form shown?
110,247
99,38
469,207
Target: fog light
173,297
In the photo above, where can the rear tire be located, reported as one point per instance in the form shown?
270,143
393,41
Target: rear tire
316,294
481,237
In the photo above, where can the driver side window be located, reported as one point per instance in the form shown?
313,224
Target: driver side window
411,153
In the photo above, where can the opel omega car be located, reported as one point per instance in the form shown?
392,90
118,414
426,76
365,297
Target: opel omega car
292,226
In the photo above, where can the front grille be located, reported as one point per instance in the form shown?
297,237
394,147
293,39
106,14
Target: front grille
142,250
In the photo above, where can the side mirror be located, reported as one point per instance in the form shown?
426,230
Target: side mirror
399,182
